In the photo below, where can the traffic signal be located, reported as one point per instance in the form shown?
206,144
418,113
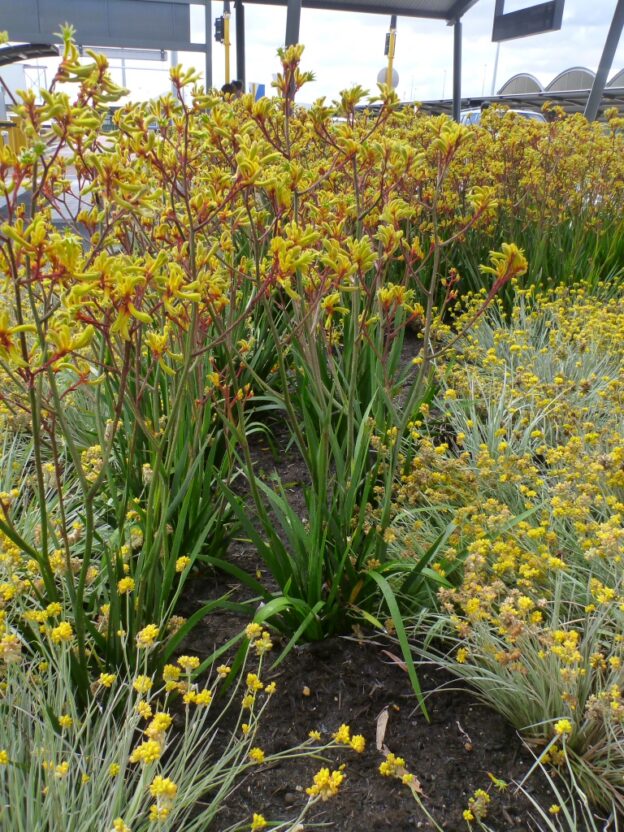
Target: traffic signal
219,30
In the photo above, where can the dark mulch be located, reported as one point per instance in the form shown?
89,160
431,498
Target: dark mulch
352,680
348,680
341,680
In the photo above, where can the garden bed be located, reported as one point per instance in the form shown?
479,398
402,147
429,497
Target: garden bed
353,680
310,420
321,686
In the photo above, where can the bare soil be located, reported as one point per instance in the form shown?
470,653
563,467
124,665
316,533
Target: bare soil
352,680
342,680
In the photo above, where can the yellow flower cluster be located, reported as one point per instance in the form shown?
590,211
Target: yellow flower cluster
326,784
343,736
477,806
527,481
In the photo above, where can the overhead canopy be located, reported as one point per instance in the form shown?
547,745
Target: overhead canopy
26,51
136,24
133,24
449,10
573,101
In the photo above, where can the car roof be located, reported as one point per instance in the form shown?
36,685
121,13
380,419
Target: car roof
535,114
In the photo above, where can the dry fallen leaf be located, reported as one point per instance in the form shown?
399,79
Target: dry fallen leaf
396,660
382,724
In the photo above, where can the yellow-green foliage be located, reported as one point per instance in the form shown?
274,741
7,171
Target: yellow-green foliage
157,279
529,472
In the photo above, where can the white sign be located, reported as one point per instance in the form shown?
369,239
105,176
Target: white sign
383,74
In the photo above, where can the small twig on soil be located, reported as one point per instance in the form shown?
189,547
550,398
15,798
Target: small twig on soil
468,746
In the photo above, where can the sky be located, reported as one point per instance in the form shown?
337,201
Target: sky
343,49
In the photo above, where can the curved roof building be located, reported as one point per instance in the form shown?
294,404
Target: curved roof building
617,80
521,83
575,78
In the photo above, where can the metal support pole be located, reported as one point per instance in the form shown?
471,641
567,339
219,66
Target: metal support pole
293,19
226,39
174,62
600,81
391,48
240,41
495,73
457,68
208,28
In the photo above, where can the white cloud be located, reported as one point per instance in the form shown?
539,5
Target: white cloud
345,48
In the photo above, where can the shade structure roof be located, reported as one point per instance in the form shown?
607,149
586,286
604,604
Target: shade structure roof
573,101
26,51
448,10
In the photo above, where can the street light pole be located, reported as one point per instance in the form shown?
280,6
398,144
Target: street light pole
457,68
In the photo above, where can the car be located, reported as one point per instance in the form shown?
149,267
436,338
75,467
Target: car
474,116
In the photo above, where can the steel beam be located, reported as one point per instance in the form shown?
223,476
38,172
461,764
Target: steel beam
460,8
356,6
608,53
126,42
457,68
12,54
125,54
